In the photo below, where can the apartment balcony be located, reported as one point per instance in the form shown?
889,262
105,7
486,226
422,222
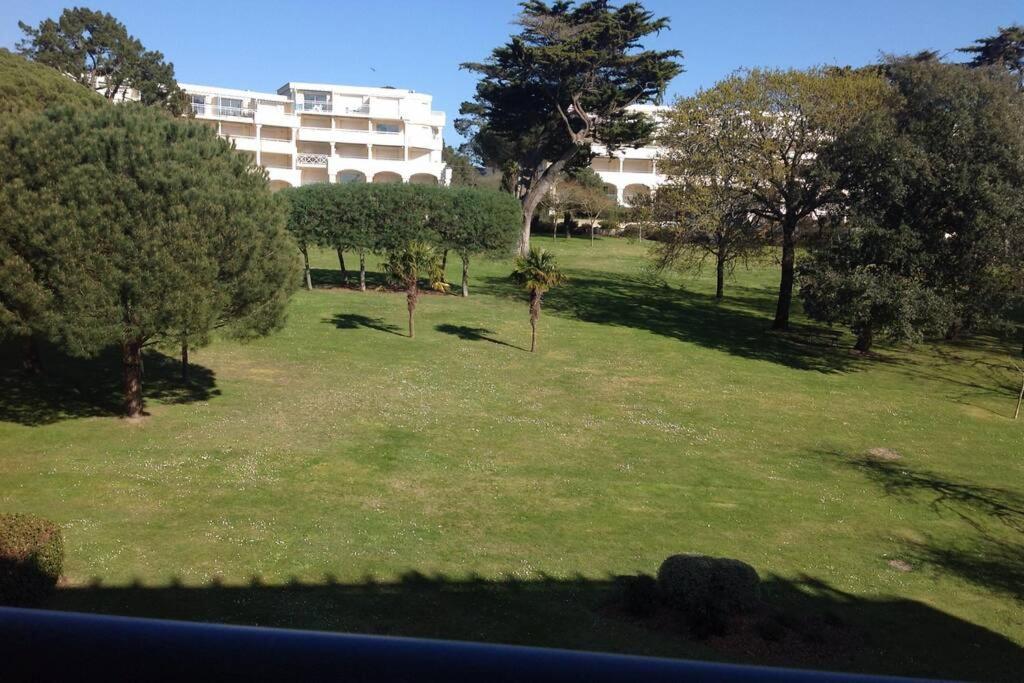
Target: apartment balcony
217,111
307,160
244,143
276,146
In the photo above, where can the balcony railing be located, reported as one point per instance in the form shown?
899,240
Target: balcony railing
318,107
306,159
216,110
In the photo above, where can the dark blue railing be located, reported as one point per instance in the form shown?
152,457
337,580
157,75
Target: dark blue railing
40,645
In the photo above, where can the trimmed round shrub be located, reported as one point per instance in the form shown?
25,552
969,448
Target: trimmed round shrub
31,559
702,586
735,585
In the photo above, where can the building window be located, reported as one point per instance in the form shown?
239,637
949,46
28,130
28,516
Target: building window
231,106
315,101
387,128
199,104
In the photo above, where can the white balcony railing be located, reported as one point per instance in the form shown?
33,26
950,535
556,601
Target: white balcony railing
306,159
216,110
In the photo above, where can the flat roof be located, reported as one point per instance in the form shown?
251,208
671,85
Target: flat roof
216,90
357,89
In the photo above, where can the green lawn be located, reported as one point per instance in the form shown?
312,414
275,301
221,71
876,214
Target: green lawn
338,475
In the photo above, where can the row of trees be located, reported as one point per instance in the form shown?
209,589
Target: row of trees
413,226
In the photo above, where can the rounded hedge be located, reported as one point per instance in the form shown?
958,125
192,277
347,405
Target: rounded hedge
700,585
31,559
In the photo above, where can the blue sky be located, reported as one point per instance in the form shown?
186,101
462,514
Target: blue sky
260,45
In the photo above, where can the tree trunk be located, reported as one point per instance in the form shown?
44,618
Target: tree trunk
786,284
362,271
184,360
533,334
719,277
865,338
567,222
536,193
410,300
341,262
131,373
444,266
31,362
305,260
465,276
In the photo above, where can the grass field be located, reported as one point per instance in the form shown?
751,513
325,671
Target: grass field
338,475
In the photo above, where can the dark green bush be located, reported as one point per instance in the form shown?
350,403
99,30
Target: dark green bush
703,587
31,559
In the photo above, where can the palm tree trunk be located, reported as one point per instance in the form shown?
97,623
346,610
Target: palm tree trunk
410,299
534,317
362,271
465,276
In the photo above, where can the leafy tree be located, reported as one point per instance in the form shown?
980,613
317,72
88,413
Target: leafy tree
96,50
936,208
768,130
307,211
476,221
713,221
538,273
406,266
29,87
589,201
135,228
464,174
563,83
872,280
1005,49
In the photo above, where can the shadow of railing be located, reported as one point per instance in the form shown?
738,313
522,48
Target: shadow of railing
804,622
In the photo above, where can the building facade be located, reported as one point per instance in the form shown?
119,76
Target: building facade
632,170
320,133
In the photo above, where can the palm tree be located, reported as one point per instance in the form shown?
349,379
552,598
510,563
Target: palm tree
404,267
537,272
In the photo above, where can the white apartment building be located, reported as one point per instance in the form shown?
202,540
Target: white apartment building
631,170
321,133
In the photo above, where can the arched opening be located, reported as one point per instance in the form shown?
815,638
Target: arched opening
345,177
387,177
276,185
631,191
422,179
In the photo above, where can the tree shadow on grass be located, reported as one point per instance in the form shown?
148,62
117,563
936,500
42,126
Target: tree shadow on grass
993,558
354,321
739,327
71,387
468,333
803,622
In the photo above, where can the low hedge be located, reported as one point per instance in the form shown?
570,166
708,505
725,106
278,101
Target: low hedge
31,559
